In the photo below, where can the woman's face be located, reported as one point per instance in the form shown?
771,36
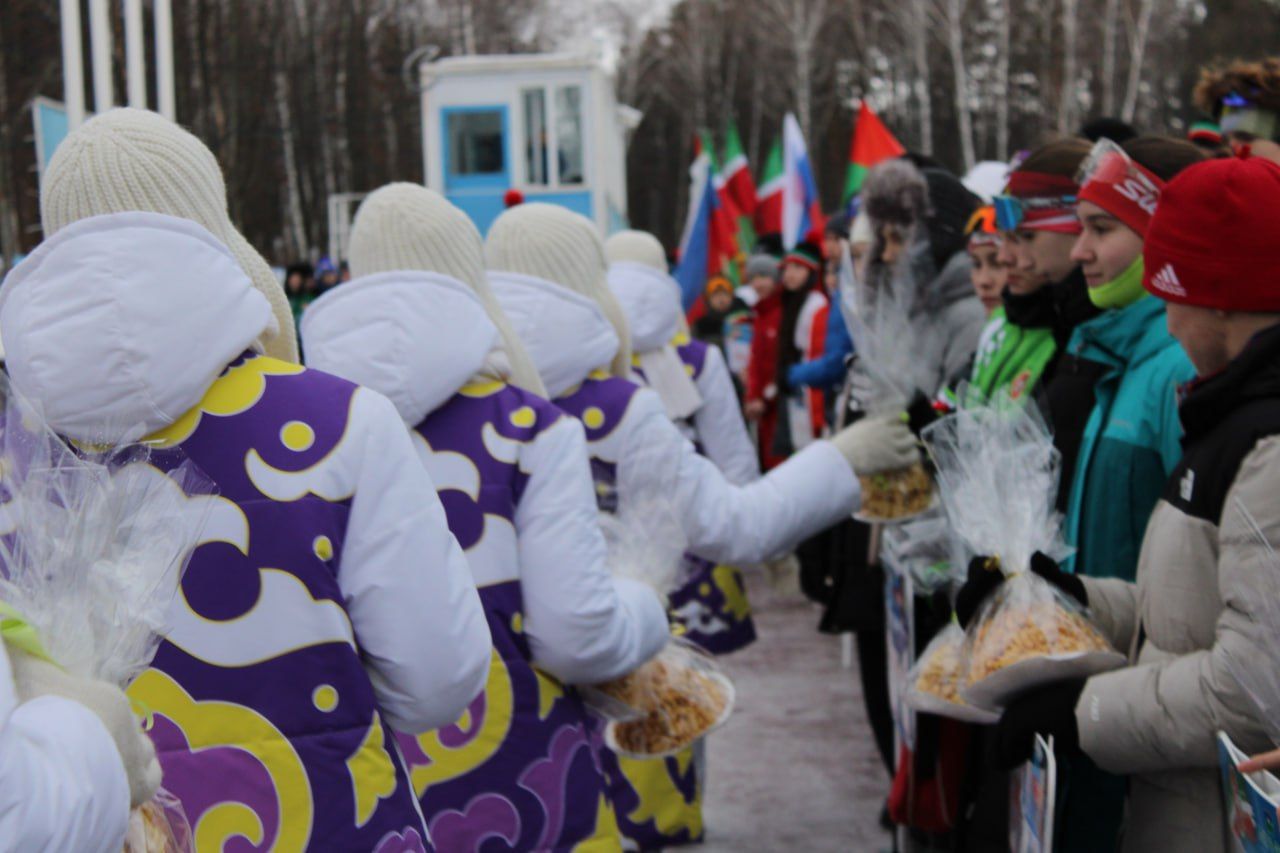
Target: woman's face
1042,257
892,244
794,276
988,275
1106,247
763,285
1007,255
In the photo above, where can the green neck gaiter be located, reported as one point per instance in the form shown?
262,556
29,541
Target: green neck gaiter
1122,291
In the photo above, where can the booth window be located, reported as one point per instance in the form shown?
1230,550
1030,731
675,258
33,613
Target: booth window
475,143
569,133
535,136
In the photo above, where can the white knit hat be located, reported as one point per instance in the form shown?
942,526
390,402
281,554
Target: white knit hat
405,226
135,160
638,247
553,243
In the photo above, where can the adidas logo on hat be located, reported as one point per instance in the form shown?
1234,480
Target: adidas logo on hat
1166,280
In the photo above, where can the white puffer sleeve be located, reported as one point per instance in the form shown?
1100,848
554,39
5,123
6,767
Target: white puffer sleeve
584,626
724,523
721,428
408,587
62,783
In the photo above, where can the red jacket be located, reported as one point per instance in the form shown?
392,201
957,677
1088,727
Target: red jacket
762,371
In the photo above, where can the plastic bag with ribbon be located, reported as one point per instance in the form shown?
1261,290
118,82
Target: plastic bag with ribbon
889,372
681,693
935,683
93,543
997,472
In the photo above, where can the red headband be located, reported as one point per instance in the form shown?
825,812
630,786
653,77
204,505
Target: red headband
1038,185
1125,190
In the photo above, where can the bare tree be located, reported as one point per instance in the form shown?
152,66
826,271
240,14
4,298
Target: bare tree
1137,51
1070,65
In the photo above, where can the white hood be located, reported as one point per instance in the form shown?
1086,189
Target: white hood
414,337
651,301
118,324
566,334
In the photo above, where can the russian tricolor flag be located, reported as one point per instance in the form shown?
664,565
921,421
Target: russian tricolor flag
802,217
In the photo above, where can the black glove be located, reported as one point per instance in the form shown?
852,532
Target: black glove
1048,711
1047,568
920,413
984,576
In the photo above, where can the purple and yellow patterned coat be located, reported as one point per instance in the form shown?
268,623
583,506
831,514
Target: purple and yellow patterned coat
265,721
518,771
658,802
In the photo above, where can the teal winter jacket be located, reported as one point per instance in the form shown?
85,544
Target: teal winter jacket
1132,440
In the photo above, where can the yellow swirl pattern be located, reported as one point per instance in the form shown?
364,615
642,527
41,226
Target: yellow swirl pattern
549,690
451,762
211,724
236,391
373,776
605,838
660,799
729,581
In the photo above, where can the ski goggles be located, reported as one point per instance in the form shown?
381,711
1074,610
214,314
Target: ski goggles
981,229
1111,179
1243,119
1045,213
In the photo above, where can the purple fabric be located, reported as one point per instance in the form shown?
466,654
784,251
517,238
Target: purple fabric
221,584
540,787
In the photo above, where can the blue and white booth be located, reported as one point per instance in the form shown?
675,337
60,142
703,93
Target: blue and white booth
547,125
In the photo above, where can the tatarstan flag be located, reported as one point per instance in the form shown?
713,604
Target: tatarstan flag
872,143
769,196
725,223
740,186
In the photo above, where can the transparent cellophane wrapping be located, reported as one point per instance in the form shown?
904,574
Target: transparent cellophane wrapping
93,543
670,702
925,548
935,683
1257,669
681,693
890,344
997,473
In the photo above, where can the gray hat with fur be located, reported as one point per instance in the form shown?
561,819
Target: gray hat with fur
762,265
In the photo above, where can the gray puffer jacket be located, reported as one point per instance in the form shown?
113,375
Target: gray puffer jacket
1191,622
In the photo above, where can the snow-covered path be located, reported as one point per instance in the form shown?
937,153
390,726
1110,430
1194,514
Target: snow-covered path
795,769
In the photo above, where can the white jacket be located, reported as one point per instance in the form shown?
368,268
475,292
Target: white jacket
651,301
127,319
418,337
568,337
62,783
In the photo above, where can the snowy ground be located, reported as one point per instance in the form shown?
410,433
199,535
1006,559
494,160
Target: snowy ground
795,769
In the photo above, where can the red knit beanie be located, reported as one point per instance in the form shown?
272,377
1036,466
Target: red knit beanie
1215,239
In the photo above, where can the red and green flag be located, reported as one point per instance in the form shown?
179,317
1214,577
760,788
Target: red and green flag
872,144
740,185
726,214
768,219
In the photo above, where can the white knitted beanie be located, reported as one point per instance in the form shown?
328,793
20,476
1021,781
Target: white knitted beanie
553,243
405,226
638,247
135,160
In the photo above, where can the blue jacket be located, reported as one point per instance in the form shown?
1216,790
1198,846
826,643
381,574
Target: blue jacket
1132,440
828,369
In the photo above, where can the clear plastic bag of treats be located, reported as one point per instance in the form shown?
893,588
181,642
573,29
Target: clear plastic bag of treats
934,684
997,474
670,702
93,544
893,348
680,694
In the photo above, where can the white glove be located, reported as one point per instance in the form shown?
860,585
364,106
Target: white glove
863,389
33,677
877,443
